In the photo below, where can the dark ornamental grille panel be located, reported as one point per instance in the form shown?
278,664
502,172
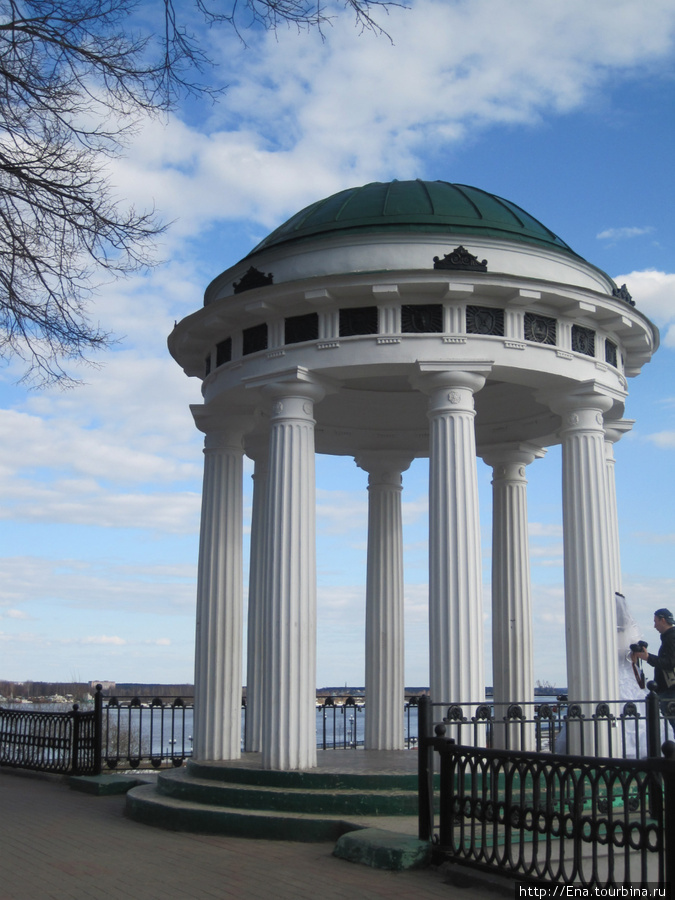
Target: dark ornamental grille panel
583,340
423,319
253,278
358,320
484,320
301,328
255,339
460,258
623,293
540,329
611,354
223,352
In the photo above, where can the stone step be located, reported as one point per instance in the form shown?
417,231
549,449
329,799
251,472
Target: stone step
182,784
144,804
314,779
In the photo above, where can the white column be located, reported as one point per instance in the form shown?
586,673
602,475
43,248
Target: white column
385,694
614,431
455,578
512,646
218,683
590,610
255,654
289,722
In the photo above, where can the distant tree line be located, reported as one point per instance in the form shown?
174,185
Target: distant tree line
39,690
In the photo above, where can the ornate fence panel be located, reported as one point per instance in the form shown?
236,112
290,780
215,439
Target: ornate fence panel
551,816
620,729
147,731
59,742
558,819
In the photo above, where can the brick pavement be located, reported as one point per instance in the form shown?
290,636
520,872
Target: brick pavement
59,844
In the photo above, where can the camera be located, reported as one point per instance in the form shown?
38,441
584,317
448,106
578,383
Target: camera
639,647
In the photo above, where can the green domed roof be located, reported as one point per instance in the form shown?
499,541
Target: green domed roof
422,206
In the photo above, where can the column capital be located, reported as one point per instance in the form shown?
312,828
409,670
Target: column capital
222,432
434,376
257,446
450,386
588,397
511,457
383,466
297,381
616,428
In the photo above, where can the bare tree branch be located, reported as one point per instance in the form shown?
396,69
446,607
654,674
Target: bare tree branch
74,80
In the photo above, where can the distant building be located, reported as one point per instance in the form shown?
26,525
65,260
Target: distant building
105,685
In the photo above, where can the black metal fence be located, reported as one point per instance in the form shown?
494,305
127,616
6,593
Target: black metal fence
617,729
59,742
342,726
549,816
146,732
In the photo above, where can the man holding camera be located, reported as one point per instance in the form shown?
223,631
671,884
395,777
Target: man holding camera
664,661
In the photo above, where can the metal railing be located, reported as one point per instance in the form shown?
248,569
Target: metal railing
146,732
614,729
342,726
546,815
58,742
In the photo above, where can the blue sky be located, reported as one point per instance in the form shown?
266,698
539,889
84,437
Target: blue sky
567,109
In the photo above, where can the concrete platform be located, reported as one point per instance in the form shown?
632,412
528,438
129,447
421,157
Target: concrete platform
105,785
347,791
382,849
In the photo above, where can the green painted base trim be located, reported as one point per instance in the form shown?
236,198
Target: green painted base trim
146,806
381,849
183,785
104,785
309,780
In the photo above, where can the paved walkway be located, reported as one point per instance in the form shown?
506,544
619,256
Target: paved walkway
59,844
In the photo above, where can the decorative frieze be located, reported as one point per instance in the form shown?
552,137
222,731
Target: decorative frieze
253,278
460,258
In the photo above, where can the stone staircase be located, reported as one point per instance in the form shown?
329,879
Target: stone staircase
246,801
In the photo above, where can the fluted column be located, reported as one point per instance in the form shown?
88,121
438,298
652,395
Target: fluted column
289,722
218,650
455,578
385,694
255,655
614,431
590,611
512,646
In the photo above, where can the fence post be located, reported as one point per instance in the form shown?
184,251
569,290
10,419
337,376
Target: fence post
669,811
75,749
425,770
98,730
653,714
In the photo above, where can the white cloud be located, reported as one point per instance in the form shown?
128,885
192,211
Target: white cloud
104,639
303,118
663,439
618,234
654,295
544,530
41,586
339,512
649,538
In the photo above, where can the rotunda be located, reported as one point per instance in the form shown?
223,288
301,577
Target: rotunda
388,322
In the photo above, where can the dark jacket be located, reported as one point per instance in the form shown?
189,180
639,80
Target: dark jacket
664,662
